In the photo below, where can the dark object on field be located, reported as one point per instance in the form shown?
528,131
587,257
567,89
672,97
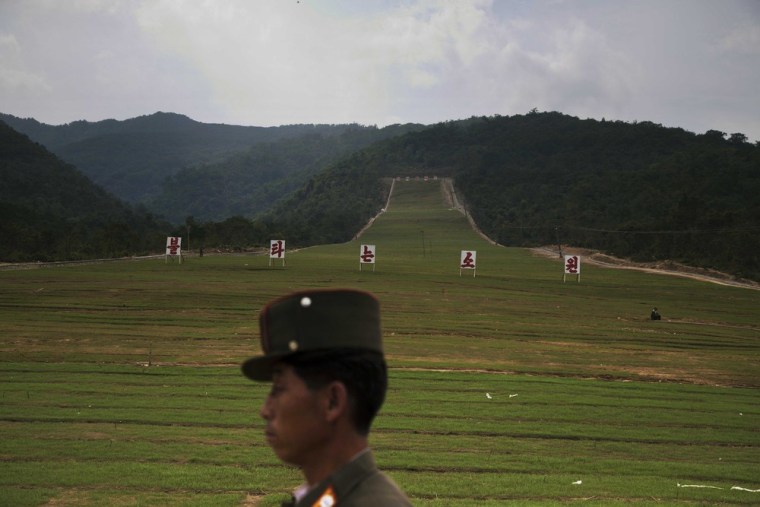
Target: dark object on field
655,315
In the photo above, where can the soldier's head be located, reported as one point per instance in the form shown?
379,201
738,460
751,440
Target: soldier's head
322,352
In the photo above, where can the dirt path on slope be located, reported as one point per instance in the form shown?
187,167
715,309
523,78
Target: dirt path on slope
665,267
598,258
450,196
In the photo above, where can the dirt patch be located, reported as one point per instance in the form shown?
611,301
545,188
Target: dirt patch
660,267
252,500
681,376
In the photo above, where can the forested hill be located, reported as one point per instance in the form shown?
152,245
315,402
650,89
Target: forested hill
631,189
51,211
132,158
250,182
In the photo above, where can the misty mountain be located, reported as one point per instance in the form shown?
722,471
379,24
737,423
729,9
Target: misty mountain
251,182
51,211
132,158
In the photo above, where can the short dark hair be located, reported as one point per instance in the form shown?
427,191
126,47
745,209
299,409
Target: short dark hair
363,372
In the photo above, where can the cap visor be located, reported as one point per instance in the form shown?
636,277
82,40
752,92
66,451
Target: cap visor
259,368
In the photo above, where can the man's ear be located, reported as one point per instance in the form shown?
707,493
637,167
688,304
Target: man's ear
336,400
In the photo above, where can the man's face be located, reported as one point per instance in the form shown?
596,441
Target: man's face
296,428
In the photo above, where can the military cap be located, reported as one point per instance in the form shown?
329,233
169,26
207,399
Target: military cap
315,320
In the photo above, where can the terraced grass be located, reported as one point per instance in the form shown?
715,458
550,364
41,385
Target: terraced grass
119,383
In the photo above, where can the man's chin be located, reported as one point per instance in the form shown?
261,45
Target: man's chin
282,454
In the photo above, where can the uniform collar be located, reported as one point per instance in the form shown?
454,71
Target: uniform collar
340,483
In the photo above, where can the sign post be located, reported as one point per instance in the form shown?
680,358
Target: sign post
467,260
572,267
173,248
277,251
367,256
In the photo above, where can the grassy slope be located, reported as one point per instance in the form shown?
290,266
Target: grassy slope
86,421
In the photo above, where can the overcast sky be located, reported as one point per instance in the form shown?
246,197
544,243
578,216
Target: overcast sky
684,63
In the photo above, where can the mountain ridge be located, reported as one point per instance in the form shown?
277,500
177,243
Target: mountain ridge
132,158
636,190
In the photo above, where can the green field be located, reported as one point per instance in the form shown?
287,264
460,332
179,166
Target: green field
120,384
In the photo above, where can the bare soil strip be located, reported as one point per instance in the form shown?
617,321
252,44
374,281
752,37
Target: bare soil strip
665,267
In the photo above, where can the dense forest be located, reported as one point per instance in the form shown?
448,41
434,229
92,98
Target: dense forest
633,190
51,211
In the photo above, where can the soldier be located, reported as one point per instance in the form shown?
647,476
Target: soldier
323,354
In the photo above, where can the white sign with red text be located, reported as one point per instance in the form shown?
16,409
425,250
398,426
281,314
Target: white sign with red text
572,266
277,250
468,260
367,255
173,245
174,248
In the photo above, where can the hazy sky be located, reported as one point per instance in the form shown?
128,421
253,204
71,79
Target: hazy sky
687,63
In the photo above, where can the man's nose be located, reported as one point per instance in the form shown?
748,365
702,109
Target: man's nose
265,412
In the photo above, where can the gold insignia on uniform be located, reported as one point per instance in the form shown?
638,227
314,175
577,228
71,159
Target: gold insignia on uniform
327,499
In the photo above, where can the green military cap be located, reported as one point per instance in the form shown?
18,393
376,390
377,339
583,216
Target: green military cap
315,320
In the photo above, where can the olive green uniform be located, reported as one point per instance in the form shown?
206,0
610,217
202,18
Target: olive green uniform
357,484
